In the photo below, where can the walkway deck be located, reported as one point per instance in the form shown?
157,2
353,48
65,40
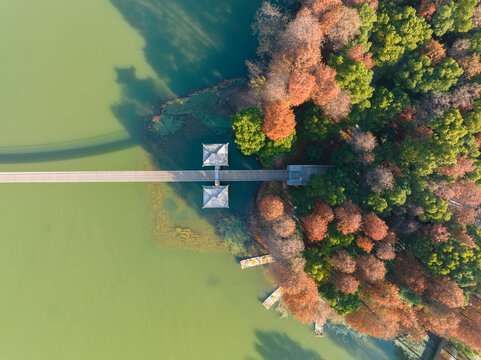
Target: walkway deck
273,298
143,176
256,261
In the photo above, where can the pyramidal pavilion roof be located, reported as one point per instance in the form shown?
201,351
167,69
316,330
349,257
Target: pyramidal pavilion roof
215,154
216,197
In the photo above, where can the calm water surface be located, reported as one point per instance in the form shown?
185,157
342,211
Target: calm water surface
81,276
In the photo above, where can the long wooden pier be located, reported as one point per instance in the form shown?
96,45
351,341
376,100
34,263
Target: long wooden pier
143,176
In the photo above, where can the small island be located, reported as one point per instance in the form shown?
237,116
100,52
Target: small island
388,95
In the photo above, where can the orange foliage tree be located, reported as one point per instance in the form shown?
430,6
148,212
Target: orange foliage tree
343,262
369,268
365,243
301,87
348,217
327,87
445,291
435,51
374,227
345,283
385,251
304,302
284,226
271,207
410,271
367,321
471,65
315,226
279,120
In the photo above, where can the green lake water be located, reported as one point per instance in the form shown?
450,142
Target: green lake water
81,274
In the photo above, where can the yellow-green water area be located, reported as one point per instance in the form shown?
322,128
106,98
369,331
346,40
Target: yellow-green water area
81,274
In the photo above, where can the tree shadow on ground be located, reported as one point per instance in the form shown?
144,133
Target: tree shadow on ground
277,346
193,44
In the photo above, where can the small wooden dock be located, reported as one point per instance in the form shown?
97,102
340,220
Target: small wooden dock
273,298
256,261
318,329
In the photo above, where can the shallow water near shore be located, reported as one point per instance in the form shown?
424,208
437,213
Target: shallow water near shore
82,273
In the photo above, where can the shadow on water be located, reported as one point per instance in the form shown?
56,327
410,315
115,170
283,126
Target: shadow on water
138,100
362,348
192,44
66,151
277,346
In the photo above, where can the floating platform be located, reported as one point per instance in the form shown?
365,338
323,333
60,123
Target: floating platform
273,298
318,330
256,261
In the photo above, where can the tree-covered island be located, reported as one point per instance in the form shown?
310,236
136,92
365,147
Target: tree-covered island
389,93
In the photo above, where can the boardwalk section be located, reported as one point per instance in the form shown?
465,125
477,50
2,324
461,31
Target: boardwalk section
253,175
143,176
256,261
107,176
273,298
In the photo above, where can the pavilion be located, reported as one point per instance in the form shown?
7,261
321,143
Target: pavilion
216,155
216,197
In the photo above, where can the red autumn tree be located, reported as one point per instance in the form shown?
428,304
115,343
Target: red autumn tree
343,262
403,118
367,321
469,333
471,65
463,238
304,58
435,51
304,303
330,19
426,9
324,210
339,107
467,192
348,217
301,87
362,142
385,251
438,233
279,120
368,61
366,158
271,207
320,7
303,30
365,243
438,319
380,178
345,283
374,227
463,166
356,53
383,293
327,87
370,269
445,291
412,273
469,319
284,226
344,29
464,215
315,226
